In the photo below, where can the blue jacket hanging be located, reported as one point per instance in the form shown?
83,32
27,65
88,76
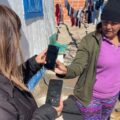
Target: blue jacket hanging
33,8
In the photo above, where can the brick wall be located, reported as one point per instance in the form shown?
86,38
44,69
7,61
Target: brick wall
76,4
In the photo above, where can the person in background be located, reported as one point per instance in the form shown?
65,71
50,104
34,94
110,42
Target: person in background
16,102
97,63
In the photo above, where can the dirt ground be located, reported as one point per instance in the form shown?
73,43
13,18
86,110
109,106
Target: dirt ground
67,34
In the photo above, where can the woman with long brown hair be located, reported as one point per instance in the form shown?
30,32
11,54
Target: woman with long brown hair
16,102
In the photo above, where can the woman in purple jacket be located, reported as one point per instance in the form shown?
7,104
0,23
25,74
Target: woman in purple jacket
97,63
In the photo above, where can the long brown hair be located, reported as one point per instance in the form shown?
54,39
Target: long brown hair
10,26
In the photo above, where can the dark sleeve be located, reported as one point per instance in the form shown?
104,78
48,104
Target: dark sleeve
45,112
7,111
30,68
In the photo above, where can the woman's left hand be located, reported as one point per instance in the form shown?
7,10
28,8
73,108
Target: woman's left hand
41,58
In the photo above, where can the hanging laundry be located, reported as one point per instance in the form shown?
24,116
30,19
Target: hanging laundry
59,13
87,14
66,3
79,18
93,10
72,17
76,16
33,8
98,4
89,11
70,10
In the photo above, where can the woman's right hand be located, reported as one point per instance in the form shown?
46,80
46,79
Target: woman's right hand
60,68
59,108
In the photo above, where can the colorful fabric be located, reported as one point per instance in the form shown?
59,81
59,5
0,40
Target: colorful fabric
98,109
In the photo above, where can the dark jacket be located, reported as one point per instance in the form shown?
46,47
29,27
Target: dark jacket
16,104
84,66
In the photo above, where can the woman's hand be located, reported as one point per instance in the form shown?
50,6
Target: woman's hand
60,68
41,58
59,108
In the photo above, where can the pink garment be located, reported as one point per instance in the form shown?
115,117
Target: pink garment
108,71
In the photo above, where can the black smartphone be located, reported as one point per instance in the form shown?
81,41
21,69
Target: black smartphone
54,92
51,57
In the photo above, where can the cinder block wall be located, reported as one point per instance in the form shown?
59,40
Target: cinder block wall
76,4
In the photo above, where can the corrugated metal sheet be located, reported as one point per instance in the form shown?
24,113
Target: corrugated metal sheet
35,32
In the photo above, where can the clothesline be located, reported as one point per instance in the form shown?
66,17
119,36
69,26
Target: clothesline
89,13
